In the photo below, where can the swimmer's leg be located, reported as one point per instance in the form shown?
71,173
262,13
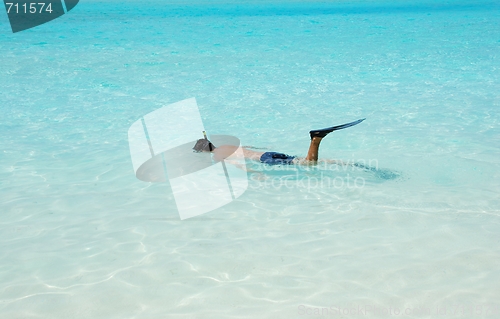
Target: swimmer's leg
312,153
317,136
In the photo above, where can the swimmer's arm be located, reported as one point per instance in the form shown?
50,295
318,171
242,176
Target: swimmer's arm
240,166
222,156
338,162
353,164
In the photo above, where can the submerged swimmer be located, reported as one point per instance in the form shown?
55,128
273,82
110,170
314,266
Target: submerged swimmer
275,158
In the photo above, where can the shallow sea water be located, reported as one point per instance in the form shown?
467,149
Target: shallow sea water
81,237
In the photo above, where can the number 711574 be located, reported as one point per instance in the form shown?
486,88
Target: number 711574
33,7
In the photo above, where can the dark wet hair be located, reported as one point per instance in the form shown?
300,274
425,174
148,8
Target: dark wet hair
203,145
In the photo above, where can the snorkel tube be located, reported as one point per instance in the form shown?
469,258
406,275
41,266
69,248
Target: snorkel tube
211,146
203,144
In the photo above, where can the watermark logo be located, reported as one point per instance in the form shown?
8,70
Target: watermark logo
312,177
161,147
408,311
324,174
28,14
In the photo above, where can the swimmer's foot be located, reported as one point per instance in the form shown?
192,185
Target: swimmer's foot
321,133
325,131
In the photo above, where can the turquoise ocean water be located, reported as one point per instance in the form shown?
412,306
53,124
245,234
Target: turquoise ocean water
81,237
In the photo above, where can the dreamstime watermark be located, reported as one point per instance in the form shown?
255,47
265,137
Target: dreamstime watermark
306,182
324,174
28,14
369,310
161,147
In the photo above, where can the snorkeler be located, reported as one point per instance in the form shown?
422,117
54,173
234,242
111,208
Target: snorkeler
274,158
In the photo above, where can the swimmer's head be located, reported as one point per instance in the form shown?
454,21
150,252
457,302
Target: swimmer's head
203,145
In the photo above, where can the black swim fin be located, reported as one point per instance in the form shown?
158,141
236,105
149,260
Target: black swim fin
325,131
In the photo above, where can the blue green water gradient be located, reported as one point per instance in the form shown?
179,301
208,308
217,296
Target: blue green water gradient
81,237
